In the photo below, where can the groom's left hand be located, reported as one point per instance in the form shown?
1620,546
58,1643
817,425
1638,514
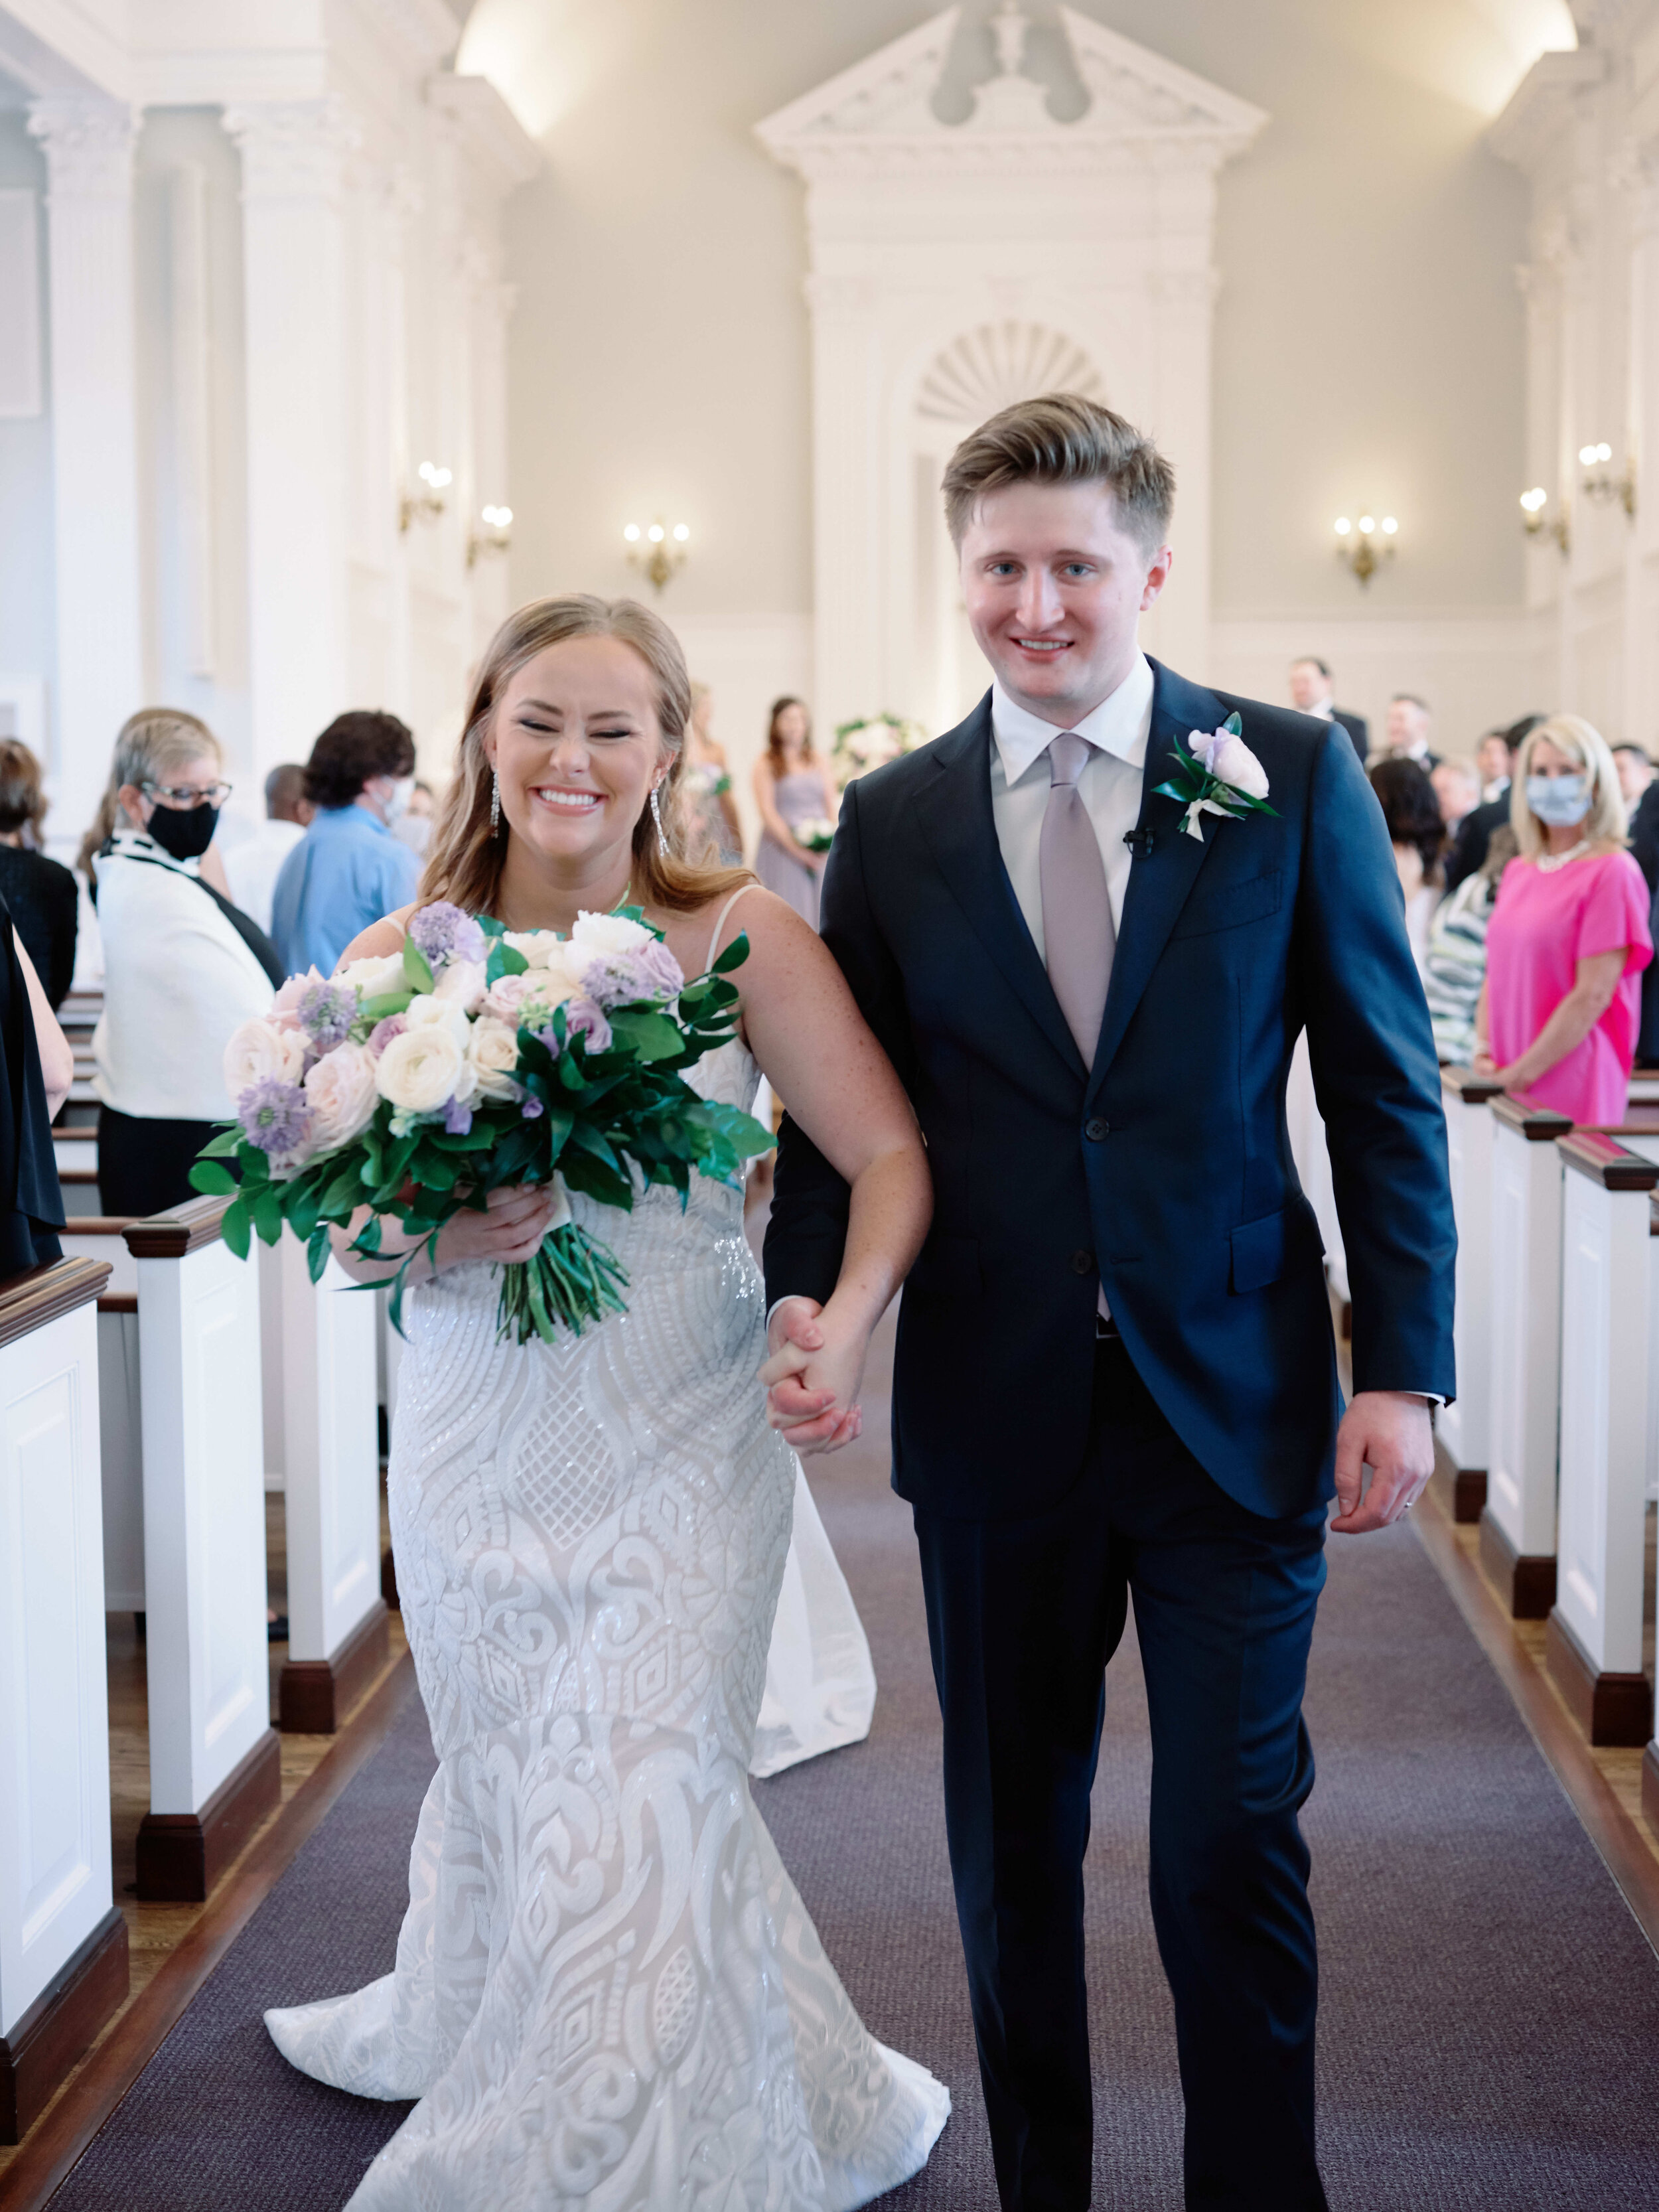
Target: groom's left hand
1390,1432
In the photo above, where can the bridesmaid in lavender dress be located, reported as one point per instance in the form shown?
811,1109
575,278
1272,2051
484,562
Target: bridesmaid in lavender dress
793,788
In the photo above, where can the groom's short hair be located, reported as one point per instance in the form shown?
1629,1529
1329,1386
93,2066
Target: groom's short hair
1062,438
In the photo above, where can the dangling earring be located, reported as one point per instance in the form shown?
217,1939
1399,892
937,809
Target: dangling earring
656,815
495,802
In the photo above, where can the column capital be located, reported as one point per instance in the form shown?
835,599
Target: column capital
87,142
292,148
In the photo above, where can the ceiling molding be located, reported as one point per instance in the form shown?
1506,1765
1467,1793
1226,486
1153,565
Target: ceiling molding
500,151
1541,105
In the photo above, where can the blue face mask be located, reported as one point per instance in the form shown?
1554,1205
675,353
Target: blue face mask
1561,802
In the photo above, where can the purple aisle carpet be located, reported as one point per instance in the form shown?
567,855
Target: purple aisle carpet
1490,2030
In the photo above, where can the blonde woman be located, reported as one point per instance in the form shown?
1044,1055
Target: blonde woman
606,1987
183,967
711,811
1569,936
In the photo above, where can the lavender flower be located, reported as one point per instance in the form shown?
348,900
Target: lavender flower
623,979
444,934
458,1119
275,1115
533,1109
326,1012
583,1018
383,1032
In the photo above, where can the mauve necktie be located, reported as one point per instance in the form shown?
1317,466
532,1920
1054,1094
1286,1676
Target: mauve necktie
1077,908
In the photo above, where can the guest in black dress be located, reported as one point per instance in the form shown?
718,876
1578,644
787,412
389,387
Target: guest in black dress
41,894
36,1070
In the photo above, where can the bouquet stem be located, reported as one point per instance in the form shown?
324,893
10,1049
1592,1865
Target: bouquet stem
573,1278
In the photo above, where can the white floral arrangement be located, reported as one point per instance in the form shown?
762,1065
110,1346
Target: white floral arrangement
870,741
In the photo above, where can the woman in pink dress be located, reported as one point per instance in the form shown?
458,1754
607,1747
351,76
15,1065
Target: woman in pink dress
1569,936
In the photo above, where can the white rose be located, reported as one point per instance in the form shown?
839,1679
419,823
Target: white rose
463,981
376,979
256,1051
596,936
1234,763
425,1010
342,1098
419,1070
538,946
493,1050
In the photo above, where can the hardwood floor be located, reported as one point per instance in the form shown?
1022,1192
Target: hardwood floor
156,1933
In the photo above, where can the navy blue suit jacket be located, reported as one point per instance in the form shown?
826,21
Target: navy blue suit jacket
1165,1167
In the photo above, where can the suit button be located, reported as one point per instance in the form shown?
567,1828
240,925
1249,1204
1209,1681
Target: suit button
1083,1263
1095,1129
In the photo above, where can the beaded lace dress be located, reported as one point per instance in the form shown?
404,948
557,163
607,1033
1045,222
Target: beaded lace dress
607,1993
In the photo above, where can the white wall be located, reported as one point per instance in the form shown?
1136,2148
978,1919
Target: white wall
27,618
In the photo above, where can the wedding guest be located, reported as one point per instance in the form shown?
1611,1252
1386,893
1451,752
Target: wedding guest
183,966
41,893
794,790
1635,768
1644,851
253,866
1469,850
413,827
1418,837
1457,787
1454,967
1570,934
1492,757
36,1070
1405,733
1312,688
349,869
710,809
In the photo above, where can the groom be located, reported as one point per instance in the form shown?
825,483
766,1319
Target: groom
1115,1376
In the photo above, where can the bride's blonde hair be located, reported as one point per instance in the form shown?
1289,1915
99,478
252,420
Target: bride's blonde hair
467,857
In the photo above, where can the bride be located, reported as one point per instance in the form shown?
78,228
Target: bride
607,1993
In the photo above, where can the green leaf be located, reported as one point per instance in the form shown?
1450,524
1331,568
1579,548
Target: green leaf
256,1167
651,1035
268,1213
317,1251
208,1175
1233,725
221,1146
734,955
235,1228
416,966
389,1002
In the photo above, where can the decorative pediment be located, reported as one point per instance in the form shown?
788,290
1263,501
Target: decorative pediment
878,117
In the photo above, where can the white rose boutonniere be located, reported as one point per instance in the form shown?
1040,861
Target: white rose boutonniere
1219,775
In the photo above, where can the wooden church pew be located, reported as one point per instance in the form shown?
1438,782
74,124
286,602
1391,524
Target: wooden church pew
1464,1426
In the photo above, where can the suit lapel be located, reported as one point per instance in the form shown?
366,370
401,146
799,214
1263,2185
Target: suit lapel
1159,880
955,812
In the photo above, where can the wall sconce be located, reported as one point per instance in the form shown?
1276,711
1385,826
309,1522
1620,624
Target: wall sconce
498,524
1607,486
667,556
1533,504
1358,549
427,504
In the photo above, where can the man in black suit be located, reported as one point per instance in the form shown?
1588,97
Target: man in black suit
1474,831
1116,1373
1311,691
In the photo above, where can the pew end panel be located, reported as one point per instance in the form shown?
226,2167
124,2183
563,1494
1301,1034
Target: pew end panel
63,1940
103,1238
1594,1644
216,1767
1463,1427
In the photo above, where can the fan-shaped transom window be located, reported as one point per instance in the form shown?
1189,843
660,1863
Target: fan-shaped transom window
991,367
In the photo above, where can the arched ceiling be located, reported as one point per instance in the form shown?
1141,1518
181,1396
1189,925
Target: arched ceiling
542,55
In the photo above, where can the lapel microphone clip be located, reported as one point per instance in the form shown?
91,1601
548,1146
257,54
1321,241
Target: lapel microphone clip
1140,843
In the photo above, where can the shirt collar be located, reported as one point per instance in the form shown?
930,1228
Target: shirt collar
1121,724
341,817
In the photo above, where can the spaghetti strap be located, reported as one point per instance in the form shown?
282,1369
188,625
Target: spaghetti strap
714,941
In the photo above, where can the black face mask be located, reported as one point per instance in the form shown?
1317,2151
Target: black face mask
185,832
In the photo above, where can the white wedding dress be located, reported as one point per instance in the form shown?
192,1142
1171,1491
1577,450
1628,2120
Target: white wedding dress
607,1993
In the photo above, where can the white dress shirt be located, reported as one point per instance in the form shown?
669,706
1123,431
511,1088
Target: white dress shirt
1117,733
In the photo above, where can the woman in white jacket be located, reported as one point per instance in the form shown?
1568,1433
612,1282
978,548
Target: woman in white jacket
182,965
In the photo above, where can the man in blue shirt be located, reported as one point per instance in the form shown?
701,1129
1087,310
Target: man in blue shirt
347,870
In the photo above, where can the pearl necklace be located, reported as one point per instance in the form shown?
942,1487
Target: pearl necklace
1549,862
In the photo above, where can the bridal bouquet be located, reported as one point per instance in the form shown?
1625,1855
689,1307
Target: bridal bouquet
815,835
416,1083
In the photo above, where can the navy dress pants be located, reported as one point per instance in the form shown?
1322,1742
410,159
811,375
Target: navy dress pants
1022,1615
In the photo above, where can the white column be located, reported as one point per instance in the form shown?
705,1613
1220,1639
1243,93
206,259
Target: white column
1518,1526
57,1917
293,158
1595,1633
89,146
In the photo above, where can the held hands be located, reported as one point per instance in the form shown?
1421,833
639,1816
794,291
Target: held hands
1390,1432
812,1377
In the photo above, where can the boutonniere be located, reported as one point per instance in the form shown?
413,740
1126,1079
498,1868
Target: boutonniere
1219,775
